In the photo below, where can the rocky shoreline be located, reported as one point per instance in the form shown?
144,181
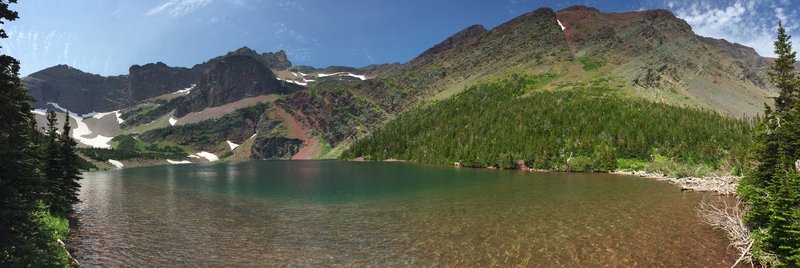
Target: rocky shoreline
723,185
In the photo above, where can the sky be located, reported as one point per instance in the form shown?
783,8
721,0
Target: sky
108,36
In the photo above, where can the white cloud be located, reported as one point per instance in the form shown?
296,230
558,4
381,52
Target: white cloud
290,5
66,53
750,23
177,8
281,31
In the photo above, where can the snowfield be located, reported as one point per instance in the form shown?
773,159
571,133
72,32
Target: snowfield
232,145
96,115
208,156
116,163
172,121
562,25
185,90
178,162
362,77
294,82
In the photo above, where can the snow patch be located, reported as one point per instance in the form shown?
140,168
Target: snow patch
178,162
39,112
185,90
232,145
96,115
172,121
193,156
208,156
362,77
562,25
116,163
294,82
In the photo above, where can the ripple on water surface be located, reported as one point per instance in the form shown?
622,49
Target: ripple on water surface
329,212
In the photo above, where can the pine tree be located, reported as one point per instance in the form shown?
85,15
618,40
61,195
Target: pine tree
782,74
772,188
53,170
69,164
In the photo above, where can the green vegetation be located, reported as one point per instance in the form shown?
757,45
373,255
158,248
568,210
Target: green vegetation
589,63
208,135
579,127
149,112
128,147
772,186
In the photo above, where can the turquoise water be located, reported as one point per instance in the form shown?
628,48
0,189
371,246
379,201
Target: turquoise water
321,213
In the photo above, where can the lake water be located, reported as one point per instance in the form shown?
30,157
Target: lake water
322,213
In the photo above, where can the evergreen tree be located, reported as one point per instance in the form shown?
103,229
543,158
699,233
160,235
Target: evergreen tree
69,164
782,74
53,171
772,188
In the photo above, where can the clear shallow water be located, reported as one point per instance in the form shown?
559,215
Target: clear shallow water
264,213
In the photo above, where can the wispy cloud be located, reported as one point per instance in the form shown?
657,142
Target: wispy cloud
281,31
177,8
750,23
291,5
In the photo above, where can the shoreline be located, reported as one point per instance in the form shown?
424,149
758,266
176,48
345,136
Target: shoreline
722,185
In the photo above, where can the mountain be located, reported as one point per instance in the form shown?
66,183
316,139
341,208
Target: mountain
659,56
247,104
83,92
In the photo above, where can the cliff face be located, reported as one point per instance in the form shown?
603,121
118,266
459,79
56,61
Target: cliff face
155,79
234,78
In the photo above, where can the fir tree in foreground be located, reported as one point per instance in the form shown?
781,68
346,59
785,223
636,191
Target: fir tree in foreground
772,186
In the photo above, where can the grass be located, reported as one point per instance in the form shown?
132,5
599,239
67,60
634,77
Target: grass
590,63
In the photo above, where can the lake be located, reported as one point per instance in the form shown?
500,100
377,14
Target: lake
323,213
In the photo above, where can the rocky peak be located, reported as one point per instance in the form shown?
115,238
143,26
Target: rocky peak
274,61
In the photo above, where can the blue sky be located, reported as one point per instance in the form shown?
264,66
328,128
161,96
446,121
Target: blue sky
107,36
